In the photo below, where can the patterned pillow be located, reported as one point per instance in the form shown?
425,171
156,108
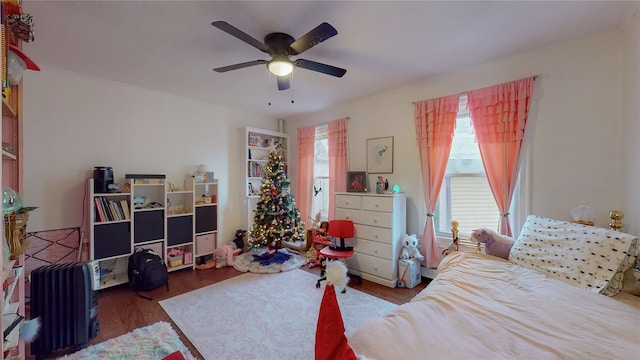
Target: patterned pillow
585,256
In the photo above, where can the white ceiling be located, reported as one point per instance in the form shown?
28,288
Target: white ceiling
171,47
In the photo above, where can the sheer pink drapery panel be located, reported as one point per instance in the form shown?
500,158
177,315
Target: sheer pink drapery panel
499,117
306,149
338,160
435,122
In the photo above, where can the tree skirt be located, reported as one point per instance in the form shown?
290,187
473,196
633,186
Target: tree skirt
247,262
148,343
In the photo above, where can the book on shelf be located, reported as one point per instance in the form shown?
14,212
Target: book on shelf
105,209
113,210
100,212
125,209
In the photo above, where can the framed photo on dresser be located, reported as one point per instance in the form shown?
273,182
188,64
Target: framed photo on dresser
356,181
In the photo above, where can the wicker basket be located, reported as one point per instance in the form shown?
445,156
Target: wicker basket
15,232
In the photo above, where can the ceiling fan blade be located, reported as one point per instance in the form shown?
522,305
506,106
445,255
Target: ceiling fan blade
239,66
234,31
284,82
321,33
319,67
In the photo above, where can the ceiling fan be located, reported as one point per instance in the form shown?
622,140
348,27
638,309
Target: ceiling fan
281,47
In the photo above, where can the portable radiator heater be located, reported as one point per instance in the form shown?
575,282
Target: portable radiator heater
64,297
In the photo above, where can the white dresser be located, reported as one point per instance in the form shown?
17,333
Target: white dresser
380,223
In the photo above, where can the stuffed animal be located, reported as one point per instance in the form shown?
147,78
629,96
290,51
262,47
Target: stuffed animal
224,254
337,274
494,243
240,239
410,248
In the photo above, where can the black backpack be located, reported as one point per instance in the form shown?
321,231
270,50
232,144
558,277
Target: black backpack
147,271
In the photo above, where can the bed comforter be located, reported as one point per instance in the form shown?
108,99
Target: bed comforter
483,307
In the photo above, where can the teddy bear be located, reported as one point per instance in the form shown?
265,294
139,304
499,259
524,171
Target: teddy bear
224,254
494,243
410,248
239,239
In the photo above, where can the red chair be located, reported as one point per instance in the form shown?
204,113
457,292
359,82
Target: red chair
339,229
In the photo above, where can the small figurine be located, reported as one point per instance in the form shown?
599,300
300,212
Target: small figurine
453,246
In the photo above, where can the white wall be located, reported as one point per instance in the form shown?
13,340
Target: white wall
575,123
73,123
631,158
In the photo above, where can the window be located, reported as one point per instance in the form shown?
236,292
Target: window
320,200
465,195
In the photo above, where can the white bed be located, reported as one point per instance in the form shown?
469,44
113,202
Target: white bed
483,307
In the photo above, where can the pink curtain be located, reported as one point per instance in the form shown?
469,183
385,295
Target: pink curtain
499,117
338,160
306,148
435,122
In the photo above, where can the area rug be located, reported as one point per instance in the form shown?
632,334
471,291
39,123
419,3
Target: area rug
245,263
151,342
264,316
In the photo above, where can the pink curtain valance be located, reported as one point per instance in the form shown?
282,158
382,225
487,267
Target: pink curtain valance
434,121
497,111
306,139
337,133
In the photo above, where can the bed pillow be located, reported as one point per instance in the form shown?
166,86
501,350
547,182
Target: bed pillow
585,256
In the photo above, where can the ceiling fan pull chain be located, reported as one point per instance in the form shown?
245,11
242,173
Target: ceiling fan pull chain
269,87
292,90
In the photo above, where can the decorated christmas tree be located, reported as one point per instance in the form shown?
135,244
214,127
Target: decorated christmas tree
276,217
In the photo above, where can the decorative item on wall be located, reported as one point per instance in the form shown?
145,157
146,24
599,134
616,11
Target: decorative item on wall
380,155
356,181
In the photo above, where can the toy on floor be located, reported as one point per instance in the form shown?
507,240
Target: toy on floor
494,243
337,274
453,246
239,240
410,248
224,254
319,240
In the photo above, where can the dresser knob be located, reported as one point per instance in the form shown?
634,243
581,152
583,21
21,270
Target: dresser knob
375,268
375,236
377,205
375,251
375,221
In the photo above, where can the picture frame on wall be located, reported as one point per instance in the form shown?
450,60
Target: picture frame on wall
356,181
380,155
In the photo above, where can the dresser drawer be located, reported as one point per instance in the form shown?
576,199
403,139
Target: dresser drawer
384,235
372,218
349,214
377,203
372,248
371,265
348,201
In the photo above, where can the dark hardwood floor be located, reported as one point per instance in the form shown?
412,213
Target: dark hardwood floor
120,310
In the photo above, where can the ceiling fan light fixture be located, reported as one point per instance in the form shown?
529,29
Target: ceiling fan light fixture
280,66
